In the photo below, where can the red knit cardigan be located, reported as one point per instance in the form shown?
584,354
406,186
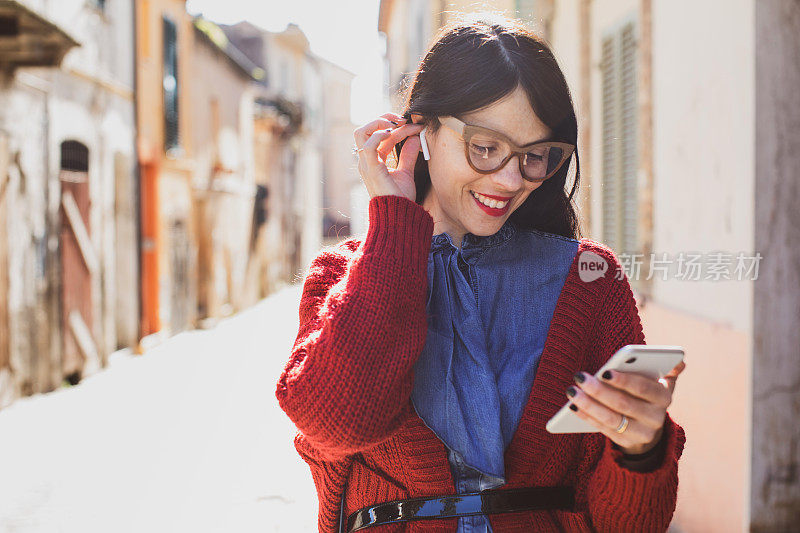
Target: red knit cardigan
348,383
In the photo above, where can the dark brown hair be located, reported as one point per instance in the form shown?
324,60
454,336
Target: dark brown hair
476,60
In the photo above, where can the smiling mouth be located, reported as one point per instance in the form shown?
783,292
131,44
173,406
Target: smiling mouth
489,201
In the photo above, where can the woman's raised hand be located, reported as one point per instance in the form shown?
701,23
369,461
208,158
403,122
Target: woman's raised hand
375,141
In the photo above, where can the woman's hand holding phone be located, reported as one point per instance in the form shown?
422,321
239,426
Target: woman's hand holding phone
375,141
643,399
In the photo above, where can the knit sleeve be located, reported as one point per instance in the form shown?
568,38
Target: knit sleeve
644,462
362,326
622,499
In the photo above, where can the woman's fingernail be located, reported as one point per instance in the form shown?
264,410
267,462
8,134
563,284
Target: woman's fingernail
573,407
571,392
607,374
579,377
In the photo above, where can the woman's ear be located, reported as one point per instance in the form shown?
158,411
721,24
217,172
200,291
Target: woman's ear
416,119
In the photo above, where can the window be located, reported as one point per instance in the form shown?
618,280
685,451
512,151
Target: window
619,108
9,26
74,156
170,85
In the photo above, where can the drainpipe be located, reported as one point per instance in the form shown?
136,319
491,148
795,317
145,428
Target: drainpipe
137,173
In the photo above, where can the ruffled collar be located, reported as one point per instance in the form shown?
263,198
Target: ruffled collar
442,241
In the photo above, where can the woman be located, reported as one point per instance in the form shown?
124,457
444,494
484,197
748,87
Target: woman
431,354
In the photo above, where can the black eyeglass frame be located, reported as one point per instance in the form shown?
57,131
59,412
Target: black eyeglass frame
466,131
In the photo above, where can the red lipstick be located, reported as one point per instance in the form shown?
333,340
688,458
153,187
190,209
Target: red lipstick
500,198
491,210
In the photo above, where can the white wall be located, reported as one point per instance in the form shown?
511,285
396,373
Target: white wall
309,171
23,116
565,42
703,102
340,166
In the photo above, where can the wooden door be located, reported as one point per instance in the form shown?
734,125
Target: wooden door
78,262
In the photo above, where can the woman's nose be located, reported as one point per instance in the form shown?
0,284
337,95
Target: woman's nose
508,178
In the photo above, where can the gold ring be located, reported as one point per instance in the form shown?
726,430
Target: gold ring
622,425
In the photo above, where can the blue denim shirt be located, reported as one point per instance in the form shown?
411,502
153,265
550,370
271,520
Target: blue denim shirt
489,309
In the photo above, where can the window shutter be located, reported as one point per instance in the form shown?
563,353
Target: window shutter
619,101
628,100
610,193
170,85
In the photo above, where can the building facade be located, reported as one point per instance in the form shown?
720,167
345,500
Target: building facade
166,151
342,183
68,257
154,177
305,136
224,189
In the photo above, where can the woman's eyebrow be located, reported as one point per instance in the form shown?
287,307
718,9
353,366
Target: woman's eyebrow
543,139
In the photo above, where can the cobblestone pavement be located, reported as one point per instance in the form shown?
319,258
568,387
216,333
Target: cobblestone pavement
187,437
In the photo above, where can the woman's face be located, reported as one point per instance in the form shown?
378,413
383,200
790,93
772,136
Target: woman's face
450,202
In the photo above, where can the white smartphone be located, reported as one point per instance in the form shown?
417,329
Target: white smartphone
654,361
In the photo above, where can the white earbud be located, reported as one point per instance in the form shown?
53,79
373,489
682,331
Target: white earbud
425,153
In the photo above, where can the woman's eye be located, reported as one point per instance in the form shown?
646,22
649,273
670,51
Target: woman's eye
535,157
480,148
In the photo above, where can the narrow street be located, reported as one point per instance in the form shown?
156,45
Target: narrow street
187,437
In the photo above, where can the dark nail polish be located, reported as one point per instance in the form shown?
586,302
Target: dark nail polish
579,377
573,407
607,374
571,392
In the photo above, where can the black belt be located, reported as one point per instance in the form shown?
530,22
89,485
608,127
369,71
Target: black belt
467,504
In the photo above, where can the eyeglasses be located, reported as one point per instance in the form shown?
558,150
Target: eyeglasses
488,151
